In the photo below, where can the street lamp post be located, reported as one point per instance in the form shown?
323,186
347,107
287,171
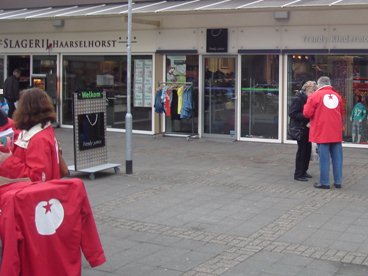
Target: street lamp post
129,116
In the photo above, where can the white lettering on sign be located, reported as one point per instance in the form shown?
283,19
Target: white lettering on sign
315,39
341,39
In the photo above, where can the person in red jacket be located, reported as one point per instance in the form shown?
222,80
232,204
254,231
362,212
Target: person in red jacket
35,153
325,110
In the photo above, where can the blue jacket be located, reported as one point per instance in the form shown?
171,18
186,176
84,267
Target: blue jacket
186,111
159,105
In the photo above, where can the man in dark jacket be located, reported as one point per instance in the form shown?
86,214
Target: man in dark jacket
298,120
11,91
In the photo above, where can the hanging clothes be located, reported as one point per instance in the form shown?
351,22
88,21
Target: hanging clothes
180,98
163,95
167,103
159,107
187,109
174,105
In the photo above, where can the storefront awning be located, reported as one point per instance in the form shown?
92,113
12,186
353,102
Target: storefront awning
191,6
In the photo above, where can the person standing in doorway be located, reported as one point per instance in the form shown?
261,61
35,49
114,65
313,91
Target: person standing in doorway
325,110
297,119
11,91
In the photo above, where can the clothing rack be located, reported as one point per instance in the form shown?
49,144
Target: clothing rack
187,85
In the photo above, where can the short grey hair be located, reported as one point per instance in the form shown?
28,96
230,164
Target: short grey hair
324,80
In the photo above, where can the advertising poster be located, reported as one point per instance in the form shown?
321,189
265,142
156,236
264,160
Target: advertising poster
147,83
138,82
91,130
142,84
176,69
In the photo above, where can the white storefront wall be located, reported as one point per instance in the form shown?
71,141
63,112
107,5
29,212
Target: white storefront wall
326,30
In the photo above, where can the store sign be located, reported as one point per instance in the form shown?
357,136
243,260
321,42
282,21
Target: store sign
88,95
45,43
340,39
217,40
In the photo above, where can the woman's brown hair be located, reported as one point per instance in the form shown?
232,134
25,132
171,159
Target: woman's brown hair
34,107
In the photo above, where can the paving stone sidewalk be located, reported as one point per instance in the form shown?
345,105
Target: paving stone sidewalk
204,207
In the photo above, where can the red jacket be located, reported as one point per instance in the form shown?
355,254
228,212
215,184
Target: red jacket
325,108
39,161
44,227
9,232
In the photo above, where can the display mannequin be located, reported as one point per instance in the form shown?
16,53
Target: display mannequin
358,114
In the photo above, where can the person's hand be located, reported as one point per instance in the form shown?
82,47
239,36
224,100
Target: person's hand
5,147
4,155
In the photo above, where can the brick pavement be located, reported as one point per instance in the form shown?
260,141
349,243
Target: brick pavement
202,207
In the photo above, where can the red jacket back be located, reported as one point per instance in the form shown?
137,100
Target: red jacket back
324,108
52,223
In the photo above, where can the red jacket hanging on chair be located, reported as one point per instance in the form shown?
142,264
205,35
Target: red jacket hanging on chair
45,226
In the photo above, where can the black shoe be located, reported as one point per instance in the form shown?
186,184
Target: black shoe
337,186
307,175
320,186
301,178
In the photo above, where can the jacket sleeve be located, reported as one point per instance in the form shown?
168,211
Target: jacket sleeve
90,240
16,89
11,237
38,160
351,114
296,110
11,89
309,107
13,167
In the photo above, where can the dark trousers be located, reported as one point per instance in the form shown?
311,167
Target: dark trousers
303,156
11,109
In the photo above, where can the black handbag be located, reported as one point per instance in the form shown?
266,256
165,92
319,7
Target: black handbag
295,133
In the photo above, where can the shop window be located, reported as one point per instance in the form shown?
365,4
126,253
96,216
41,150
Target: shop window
44,64
106,73
23,64
219,96
181,69
349,76
260,96
44,74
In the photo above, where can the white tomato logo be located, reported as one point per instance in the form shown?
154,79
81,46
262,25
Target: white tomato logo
48,216
330,101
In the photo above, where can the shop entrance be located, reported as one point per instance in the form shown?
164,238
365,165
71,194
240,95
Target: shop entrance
23,64
219,96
